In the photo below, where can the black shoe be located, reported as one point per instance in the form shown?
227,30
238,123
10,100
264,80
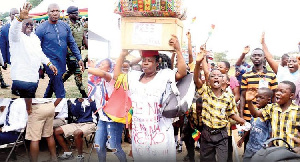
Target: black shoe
179,148
4,85
15,92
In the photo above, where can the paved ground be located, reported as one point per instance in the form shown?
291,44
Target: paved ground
44,153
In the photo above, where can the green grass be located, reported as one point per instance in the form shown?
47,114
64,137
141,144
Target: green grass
70,85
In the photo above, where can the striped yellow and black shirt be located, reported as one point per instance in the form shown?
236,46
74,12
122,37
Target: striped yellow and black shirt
216,110
251,80
283,123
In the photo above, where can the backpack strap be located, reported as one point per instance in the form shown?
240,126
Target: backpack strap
175,90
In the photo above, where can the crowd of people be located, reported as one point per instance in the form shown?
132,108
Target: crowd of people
262,102
51,45
53,119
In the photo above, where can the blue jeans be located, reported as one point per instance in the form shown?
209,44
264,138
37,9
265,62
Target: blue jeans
112,132
55,85
8,137
26,89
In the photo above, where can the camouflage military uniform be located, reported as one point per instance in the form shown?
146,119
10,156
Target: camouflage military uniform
72,63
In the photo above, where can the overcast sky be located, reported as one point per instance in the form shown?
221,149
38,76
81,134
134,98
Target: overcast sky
237,23
6,5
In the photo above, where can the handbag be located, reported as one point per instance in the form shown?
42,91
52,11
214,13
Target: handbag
177,98
119,107
272,154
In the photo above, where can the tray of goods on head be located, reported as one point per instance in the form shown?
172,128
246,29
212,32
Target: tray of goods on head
149,24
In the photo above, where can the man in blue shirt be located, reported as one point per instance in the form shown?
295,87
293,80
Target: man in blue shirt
56,37
4,45
82,109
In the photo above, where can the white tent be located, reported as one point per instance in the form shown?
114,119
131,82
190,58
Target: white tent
63,5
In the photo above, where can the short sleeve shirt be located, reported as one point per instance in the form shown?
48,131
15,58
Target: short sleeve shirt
283,123
216,110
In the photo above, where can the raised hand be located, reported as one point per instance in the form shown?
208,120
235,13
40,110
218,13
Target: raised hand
246,49
251,94
188,34
25,11
203,47
263,38
200,56
174,42
125,52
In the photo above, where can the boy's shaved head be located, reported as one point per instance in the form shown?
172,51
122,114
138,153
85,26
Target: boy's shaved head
267,91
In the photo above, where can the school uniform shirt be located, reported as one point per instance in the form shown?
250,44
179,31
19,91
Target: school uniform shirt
55,38
17,116
83,110
283,73
216,110
61,109
26,54
152,134
194,116
41,100
283,123
257,80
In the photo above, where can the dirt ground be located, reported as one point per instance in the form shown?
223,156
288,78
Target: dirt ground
44,153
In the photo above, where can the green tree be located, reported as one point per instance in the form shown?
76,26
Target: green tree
3,16
220,56
35,2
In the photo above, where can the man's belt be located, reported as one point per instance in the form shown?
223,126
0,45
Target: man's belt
213,131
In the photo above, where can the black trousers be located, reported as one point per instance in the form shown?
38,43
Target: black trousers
214,145
189,141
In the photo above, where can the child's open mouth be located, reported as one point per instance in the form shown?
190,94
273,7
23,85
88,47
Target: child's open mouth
216,83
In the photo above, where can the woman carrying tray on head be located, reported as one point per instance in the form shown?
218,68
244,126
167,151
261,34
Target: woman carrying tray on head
152,134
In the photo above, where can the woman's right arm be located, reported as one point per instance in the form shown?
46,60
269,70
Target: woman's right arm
118,67
100,73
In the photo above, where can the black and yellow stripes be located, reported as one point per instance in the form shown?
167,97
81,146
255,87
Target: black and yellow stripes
283,123
251,80
216,110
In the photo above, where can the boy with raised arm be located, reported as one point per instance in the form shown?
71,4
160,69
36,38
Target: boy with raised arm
284,114
218,107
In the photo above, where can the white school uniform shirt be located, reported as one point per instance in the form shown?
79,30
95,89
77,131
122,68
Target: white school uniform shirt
61,109
26,54
17,116
152,134
41,100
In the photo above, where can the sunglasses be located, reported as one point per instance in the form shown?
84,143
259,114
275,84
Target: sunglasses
27,24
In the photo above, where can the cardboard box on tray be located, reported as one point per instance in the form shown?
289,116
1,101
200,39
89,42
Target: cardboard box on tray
150,33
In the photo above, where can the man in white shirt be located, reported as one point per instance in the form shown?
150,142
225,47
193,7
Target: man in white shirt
26,55
13,119
61,112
